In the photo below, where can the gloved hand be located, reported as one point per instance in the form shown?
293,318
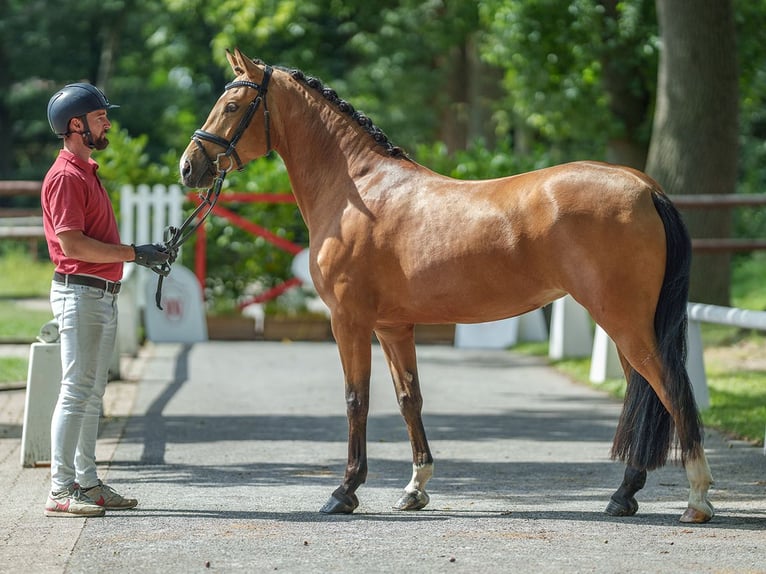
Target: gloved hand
151,255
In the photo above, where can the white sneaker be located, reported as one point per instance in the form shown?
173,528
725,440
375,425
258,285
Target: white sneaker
71,503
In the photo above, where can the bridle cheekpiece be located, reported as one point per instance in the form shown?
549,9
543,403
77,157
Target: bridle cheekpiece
231,145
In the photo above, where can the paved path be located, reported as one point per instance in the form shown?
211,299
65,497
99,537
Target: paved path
233,447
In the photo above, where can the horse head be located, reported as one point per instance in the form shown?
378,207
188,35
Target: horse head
224,142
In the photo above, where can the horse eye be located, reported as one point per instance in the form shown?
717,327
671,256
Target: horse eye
231,107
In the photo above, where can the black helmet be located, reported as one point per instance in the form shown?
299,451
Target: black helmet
73,101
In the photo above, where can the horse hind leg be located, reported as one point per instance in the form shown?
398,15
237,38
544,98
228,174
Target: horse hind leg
399,348
623,502
700,509
657,402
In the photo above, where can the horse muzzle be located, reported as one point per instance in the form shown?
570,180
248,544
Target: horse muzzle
195,173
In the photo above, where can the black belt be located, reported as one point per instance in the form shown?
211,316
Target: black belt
108,286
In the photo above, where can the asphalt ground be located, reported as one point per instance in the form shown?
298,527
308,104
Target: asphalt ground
232,448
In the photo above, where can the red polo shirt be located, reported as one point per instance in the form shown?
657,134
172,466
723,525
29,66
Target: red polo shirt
73,198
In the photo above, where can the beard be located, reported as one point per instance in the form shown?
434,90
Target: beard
101,143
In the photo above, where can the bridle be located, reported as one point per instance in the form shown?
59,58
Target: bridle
176,236
231,145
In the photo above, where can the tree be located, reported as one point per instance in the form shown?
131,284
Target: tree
579,75
694,140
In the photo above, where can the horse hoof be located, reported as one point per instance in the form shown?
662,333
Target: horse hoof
696,515
340,504
622,507
412,501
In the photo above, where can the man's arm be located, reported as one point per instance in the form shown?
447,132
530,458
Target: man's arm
83,248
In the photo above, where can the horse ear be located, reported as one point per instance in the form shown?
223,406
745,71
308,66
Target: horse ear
234,61
246,65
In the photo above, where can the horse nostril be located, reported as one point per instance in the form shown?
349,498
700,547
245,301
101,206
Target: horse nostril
185,168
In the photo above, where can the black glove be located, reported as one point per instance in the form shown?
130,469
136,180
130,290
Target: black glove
151,255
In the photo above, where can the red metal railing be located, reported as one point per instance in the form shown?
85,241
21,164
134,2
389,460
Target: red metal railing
200,253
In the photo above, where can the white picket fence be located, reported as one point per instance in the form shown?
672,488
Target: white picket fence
145,212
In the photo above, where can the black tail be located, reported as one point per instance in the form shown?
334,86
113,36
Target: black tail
645,432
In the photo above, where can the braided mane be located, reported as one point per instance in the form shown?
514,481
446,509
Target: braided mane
331,96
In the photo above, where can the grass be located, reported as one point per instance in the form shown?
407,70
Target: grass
735,360
24,279
737,391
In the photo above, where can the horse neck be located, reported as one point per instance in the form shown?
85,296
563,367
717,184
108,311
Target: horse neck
323,150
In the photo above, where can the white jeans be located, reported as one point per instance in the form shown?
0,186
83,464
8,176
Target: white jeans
87,319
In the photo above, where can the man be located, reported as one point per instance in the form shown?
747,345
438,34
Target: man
84,245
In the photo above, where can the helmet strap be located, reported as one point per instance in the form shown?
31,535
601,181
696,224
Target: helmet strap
86,133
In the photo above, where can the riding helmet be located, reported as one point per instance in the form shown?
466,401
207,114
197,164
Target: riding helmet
73,101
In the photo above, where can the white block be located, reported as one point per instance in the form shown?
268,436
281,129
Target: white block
182,317
695,364
129,312
491,335
571,334
605,362
43,383
532,326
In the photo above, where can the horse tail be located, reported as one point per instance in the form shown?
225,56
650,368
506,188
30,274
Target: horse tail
645,433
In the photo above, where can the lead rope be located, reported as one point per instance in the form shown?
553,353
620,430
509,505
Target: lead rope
176,236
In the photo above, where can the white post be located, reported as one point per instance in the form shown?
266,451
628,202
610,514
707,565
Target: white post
695,364
532,326
43,382
570,330
605,361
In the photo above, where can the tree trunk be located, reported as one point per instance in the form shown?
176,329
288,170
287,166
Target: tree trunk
471,85
629,101
693,149
6,142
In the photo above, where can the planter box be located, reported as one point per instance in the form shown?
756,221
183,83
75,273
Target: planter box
230,328
238,328
297,329
435,334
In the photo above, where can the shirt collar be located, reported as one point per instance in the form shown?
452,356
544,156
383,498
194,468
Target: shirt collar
77,161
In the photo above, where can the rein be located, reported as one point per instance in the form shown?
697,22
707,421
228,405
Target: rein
177,236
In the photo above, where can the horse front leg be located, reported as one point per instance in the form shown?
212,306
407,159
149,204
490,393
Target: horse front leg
399,348
356,358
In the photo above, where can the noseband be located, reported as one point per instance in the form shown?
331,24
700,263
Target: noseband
231,145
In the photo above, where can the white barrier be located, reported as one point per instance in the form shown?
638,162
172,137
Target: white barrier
571,333
729,316
605,362
503,333
182,317
145,212
43,381
695,362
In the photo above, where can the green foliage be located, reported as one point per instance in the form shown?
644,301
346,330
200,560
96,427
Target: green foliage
403,63
478,161
737,402
239,264
748,282
560,56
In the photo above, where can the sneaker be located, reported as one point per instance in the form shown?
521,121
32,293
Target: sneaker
105,496
70,502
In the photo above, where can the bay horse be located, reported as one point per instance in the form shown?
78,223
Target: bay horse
393,244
